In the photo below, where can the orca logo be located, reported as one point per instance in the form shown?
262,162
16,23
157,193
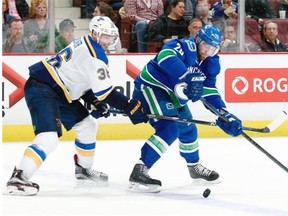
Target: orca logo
240,85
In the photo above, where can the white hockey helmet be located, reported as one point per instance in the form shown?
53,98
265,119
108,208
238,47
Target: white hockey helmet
103,25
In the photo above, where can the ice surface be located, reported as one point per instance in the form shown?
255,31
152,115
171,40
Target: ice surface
251,184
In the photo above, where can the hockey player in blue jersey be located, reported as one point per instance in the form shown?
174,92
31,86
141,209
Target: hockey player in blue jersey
183,70
53,92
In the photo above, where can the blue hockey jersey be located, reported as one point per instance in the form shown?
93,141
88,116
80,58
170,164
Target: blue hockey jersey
174,61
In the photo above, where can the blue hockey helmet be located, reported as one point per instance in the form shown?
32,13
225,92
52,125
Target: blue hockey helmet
210,35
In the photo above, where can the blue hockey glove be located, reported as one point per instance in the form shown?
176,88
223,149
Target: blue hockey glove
194,87
233,127
135,112
100,110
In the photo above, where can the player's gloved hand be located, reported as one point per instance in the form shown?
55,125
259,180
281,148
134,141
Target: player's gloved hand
100,110
233,127
194,87
135,112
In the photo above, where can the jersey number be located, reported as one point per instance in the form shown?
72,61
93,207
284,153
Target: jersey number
191,46
63,55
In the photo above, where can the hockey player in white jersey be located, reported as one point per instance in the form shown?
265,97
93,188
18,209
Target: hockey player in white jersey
53,92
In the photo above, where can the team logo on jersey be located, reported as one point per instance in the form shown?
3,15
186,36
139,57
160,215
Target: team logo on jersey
169,106
178,89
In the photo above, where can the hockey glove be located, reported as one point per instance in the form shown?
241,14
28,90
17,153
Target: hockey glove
135,112
100,110
194,87
233,127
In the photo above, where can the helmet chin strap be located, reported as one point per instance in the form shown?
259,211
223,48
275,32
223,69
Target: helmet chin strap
98,37
97,34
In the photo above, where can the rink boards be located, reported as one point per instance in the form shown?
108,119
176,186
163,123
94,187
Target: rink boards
254,86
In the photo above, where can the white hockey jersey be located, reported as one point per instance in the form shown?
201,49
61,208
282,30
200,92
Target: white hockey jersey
81,66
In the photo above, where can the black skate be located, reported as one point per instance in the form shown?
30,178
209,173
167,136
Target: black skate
140,181
88,176
18,185
199,172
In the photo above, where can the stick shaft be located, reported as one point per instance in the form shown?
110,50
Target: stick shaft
194,121
253,142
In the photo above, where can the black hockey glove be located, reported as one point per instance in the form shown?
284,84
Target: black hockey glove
194,87
135,112
233,127
100,110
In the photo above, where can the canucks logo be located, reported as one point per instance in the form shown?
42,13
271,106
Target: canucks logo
169,106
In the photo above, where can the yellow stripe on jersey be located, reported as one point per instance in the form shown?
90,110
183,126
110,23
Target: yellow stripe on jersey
103,96
33,156
86,153
57,80
90,47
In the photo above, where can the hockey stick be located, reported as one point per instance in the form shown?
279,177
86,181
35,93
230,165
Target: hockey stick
253,142
272,126
169,118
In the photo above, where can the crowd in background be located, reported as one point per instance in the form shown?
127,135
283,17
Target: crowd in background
25,27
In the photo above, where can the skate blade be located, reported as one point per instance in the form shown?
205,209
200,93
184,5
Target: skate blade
205,182
89,183
20,191
143,188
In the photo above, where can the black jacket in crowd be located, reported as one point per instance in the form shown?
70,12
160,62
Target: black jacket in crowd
164,28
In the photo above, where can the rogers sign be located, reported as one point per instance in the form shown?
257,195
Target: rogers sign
256,85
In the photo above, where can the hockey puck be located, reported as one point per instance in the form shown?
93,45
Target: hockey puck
206,193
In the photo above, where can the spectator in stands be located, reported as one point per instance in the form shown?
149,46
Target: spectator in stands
202,11
13,10
15,42
38,26
194,25
189,10
283,5
87,8
6,18
122,12
259,10
103,9
271,42
66,28
170,24
141,13
116,4
225,9
229,43
19,9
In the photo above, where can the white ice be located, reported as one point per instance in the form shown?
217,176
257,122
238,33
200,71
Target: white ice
251,183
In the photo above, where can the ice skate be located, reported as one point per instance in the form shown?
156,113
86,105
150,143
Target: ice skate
18,185
201,173
140,181
88,176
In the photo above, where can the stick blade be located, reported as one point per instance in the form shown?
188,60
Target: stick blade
280,119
